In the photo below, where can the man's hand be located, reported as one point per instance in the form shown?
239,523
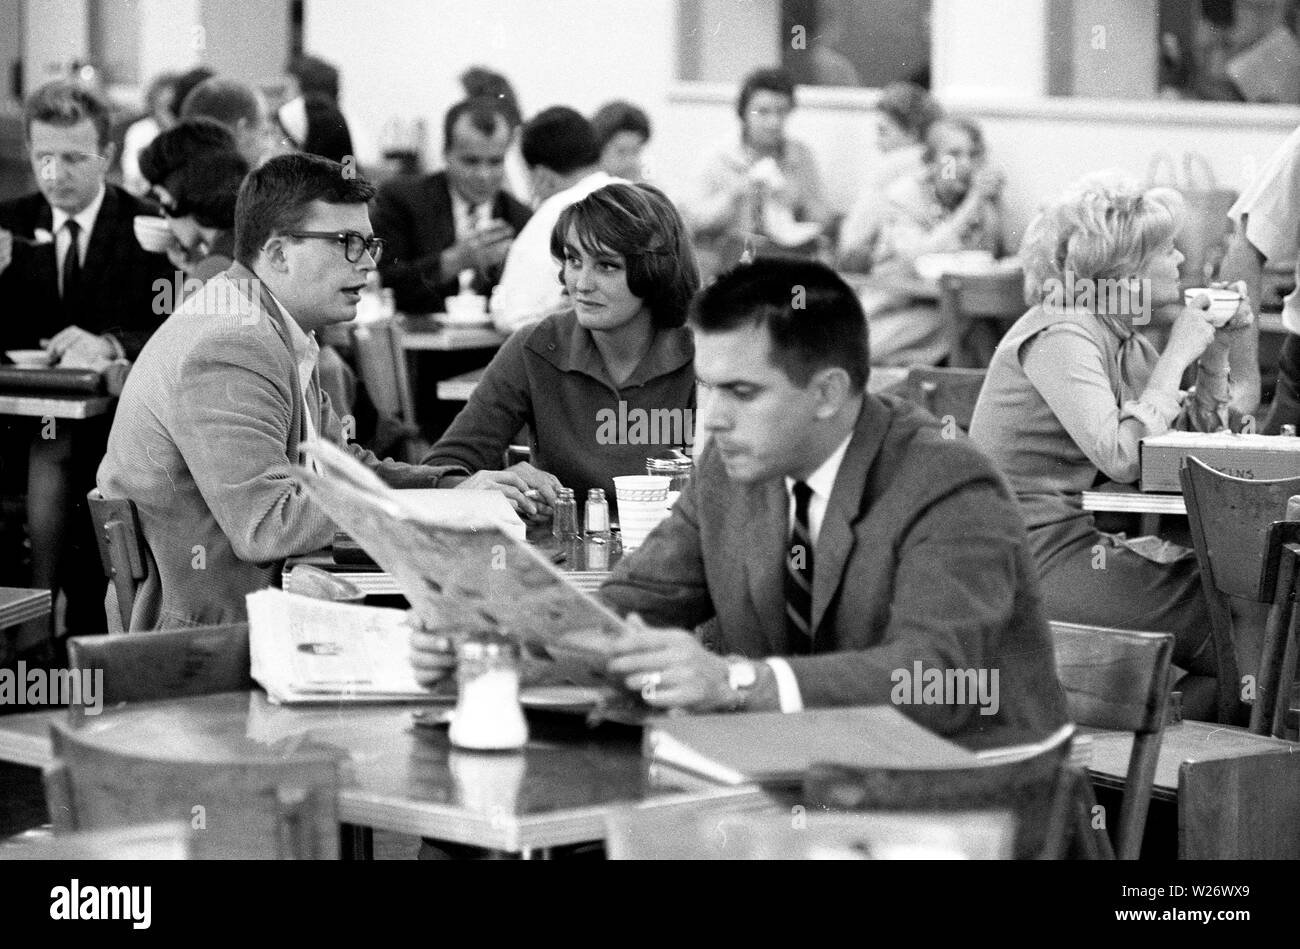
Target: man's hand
531,492
670,668
483,248
987,182
79,347
433,656
6,249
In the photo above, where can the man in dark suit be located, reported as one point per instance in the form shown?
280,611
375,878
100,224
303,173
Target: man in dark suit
459,219
849,553
73,273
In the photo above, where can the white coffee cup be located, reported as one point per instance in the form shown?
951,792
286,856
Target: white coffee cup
642,504
466,308
1223,302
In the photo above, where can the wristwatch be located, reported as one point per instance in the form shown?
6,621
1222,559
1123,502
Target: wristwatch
742,676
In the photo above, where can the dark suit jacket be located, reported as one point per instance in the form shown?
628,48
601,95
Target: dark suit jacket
117,277
413,214
922,557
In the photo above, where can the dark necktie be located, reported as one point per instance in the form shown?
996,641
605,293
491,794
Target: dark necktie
799,576
71,264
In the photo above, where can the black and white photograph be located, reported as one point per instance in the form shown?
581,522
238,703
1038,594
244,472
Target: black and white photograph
650,430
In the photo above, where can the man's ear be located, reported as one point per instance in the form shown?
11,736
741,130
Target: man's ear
110,152
832,387
273,252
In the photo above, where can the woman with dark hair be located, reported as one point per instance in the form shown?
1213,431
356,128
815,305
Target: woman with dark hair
622,132
194,170
600,386
316,126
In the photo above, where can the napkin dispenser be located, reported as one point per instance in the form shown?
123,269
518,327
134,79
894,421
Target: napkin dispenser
1253,457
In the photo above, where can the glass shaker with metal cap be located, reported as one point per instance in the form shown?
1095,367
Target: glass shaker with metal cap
673,464
488,715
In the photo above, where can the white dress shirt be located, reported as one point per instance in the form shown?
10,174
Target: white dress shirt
85,219
306,353
821,482
530,283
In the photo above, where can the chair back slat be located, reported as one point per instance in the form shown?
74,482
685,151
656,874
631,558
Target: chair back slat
1118,679
263,808
121,547
1235,515
144,667
1030,788
945,392
1241,538
1113,678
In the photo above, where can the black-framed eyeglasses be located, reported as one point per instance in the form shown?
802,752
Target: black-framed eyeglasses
354,244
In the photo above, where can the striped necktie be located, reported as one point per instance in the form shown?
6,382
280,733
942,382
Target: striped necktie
799,576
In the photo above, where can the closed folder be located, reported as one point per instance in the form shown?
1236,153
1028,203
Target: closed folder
778,748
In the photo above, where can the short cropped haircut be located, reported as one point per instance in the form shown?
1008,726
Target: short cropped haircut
960,122
481,82
315,76
911,107
619,116
764,80
1104,226
561,139
829,329
65,104
639,222
276,197
186,83
225,100
485,115
181,144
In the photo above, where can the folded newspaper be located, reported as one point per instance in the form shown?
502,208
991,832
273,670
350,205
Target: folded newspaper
462,573
307,651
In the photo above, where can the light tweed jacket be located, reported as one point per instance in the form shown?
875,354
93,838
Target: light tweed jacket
207,430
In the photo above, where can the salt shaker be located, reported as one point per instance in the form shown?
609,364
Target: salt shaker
488,715
597,535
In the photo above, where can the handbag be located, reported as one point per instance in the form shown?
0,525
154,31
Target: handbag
1203,237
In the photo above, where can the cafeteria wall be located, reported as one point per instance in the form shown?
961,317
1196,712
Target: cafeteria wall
404,61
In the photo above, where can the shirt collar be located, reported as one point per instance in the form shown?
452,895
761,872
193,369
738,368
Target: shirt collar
823,479
305,347
85,218
569,346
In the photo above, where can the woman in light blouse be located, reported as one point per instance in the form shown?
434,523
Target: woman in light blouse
1075,385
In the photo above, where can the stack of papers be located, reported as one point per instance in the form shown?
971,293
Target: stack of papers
18,605
306,651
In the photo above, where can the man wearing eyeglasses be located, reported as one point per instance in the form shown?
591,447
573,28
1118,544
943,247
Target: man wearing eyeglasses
214,412
76,283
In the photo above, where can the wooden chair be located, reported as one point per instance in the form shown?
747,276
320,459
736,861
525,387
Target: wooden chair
143,667
121,547
1242,554
170,840
977,310
381,366
678,831
1118,679
240,808
945,392
1034,788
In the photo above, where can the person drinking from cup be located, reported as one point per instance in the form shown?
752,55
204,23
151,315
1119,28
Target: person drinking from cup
619,352
1074,387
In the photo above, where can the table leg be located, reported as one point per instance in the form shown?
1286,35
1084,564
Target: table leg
356,843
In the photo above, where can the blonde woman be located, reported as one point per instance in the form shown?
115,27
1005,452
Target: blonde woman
1075,385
